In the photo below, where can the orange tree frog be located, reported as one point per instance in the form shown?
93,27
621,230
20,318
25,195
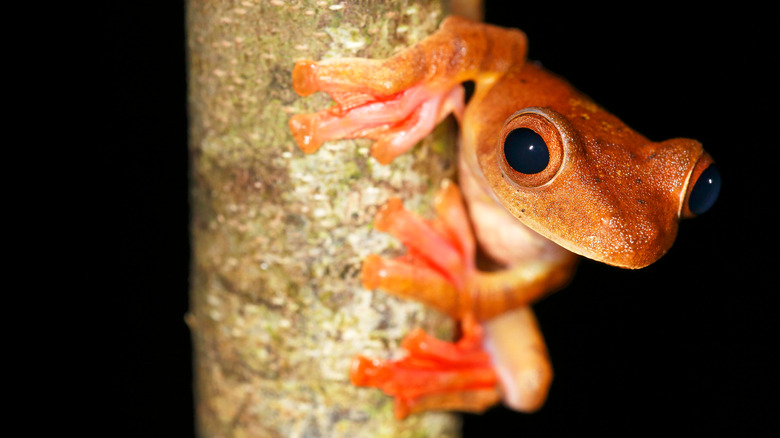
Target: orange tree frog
545,174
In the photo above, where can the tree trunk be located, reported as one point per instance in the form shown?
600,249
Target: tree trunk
277,310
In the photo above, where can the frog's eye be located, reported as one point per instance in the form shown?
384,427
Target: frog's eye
703,188
525,151
531,149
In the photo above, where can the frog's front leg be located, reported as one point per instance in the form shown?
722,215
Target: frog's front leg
399,100
509,361
396,121
439,268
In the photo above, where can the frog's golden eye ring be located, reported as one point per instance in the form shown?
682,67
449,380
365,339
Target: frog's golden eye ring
531,148
703,187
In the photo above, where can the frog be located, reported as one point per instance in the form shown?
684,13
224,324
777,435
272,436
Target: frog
545,176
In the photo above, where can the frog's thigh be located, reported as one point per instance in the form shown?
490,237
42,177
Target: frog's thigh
520,358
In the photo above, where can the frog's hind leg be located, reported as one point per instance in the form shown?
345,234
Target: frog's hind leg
519,358
504,359
439,270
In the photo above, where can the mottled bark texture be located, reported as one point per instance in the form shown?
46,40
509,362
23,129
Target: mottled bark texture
277,310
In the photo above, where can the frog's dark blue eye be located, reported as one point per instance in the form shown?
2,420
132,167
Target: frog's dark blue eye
525,151
705,190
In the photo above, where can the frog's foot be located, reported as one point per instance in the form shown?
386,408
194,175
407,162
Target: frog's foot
370,105
439,262
436,270
435,375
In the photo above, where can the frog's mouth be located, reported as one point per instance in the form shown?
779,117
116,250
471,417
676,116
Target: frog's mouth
626,242
630,245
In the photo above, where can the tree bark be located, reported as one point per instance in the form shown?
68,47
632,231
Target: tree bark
277,310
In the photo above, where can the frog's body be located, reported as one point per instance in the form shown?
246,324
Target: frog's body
599,189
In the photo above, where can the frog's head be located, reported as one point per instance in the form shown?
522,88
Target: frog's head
586,181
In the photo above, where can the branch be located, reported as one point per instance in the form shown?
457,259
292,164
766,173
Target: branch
277,310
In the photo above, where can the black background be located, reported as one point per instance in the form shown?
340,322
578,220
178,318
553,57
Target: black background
686,345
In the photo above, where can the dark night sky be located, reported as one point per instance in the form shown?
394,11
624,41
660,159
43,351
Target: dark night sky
686,345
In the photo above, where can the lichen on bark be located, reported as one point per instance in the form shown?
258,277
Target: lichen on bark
277,310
